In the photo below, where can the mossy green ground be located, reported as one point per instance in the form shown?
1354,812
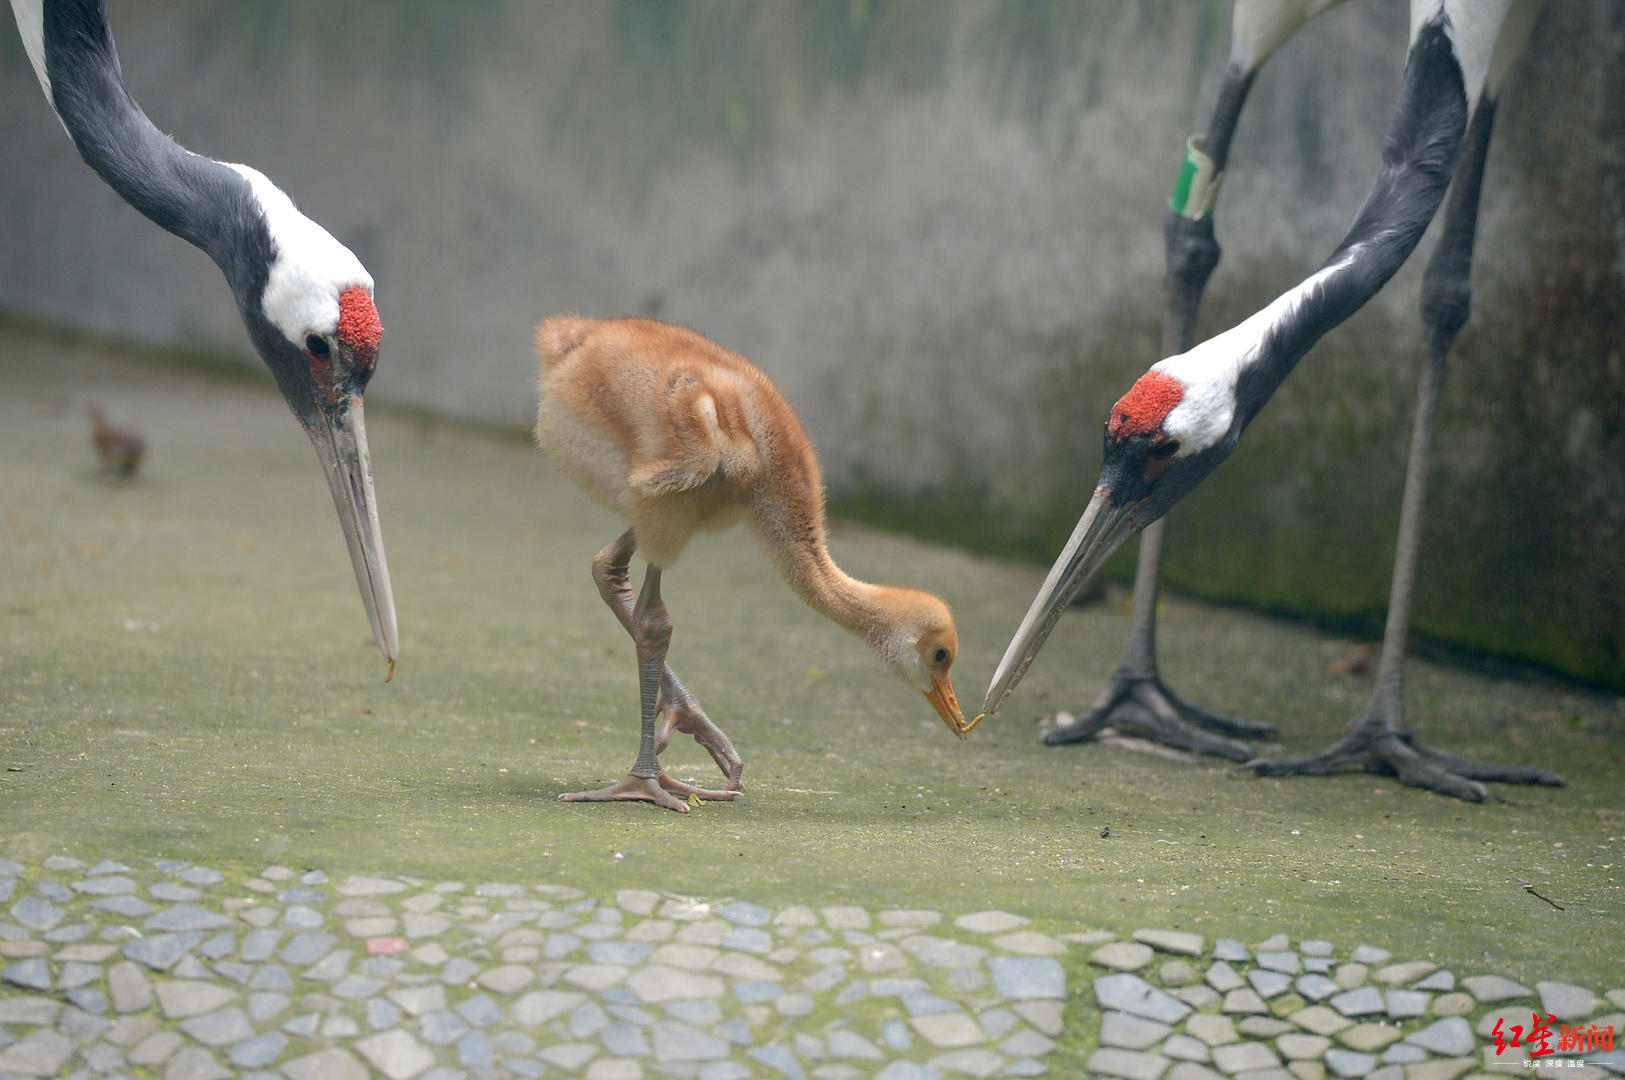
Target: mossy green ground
185,671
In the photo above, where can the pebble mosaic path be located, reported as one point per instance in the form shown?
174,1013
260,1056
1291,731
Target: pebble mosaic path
180,971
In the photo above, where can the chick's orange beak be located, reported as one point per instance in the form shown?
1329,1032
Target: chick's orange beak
941,696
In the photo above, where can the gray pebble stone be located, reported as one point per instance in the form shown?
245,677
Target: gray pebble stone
1197,997
624,1040
125,907
1403,1054
1275,943
736,1031
921,1003
1297,1046
1026,978
1489,989
89,999
104,886
395,1054
442,1027
751,991
1439,980
1123,956
1131,1032
28,1010
271,977
1284,962
1231,950
1407,1003
1269,983
31,974
1450,1037
588,1020
723,1070
1565,1000
459,970
1223,978
201,875
162,951
895,1034
1349,1063
780,1058
308,947
1405,974
171,893
1262,1027
219,1028
1174,941
1362,1002
1126,1064
1233,1058
1177,973
480,1010
266,1005
37,913
340,1027
54,891
303,1026
842,1043
1242,1001
129,988
258,1052
474,1051
1456,1004
259,945
1368,955
1315,947
1320,965
1132,994
221,945
1351,976
1185,1048
1316,987
195,1063
744,914
302,917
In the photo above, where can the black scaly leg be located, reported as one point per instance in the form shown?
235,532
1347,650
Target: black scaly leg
612,570
1377,739
650,627
1136,694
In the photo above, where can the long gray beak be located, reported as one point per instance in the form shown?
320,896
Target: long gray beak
1101,531
341,444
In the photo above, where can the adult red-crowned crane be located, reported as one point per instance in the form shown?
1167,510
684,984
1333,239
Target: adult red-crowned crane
679,435
1186,415
305,299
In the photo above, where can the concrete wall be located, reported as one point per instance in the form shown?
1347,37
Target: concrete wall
937,224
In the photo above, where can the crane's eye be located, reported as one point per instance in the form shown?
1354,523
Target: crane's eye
1165,450
317,346
940,656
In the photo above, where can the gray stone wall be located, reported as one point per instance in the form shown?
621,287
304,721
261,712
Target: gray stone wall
937,224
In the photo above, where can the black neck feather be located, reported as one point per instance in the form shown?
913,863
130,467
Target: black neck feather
194,197
1419,154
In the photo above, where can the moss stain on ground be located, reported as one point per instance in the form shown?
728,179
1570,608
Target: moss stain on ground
185,671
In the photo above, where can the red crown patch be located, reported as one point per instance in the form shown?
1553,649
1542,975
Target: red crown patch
1142,410
359,327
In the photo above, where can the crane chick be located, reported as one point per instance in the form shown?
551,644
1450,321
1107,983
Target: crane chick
677,434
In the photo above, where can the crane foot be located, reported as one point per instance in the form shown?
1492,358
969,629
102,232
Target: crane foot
690,719
662,790
1143,703
1379,748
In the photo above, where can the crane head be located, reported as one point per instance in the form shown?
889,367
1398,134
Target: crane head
919,644
308,304
1162,438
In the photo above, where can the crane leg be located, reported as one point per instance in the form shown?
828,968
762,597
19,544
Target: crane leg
650,627
1377,739
1135,694
612,570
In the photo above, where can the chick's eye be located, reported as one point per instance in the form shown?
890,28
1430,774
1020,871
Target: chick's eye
1167,449
940,656
317,346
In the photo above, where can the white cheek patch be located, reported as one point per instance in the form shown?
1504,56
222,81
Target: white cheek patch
311,269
